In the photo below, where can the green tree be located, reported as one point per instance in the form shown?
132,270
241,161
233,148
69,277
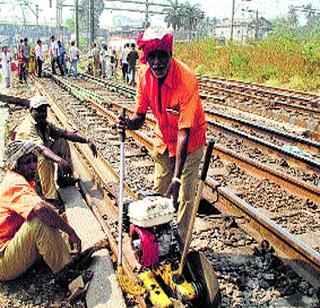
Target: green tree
312,17
70,24
174,15
293,18
191,18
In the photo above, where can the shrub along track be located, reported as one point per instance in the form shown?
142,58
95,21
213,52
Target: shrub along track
218,238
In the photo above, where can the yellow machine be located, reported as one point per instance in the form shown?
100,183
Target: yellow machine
170,271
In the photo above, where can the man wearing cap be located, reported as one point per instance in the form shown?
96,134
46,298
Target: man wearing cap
37,129
170,90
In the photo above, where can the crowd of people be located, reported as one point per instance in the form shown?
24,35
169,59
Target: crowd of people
104,61
29,225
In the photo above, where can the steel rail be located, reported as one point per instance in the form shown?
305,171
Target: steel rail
307,144
296,186
304,260
288,247
313,98
295,107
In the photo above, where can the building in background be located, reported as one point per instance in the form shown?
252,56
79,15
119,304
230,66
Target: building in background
244,30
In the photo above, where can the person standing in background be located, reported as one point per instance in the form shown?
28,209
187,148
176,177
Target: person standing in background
26,51
124,63
32,62
39,57
55,53
132,58
74,56
22,65
95,55
6,70
103,55
62,56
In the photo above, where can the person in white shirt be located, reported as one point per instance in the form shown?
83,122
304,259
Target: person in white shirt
124,63
39,57
55,53
103,60
5,60
74,55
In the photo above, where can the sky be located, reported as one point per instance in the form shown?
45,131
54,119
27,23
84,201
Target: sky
213,8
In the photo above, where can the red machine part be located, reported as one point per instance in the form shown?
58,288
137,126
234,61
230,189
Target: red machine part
148,254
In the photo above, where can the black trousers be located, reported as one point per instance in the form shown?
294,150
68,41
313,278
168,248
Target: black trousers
125,68
38,66
22,72
53,65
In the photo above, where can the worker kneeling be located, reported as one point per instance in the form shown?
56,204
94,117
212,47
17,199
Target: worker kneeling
54,146
30,228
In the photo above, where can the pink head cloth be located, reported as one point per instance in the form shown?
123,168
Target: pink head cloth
151,40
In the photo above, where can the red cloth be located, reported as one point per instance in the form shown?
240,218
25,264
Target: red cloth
181,107
17,200
147,46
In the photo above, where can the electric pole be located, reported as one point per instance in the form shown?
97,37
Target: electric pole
232,20
146,22
257,26
76,21
59,19
91,21
37,14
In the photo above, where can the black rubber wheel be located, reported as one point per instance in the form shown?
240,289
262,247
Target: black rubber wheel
199,270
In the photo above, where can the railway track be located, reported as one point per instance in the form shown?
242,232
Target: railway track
287,245
252,99
270,91
289,165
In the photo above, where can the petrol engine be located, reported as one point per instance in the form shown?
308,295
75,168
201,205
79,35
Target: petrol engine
153,230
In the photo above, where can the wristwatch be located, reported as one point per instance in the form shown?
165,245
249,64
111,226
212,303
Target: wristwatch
176,179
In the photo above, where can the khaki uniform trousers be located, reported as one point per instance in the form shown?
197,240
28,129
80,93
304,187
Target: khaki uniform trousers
163,174
46,169
33,240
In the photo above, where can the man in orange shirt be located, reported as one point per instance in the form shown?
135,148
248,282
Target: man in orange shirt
170,90
29,226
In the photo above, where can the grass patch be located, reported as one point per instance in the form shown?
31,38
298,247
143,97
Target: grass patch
284,62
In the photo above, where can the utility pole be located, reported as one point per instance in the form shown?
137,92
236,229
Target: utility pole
37,14
146,22
59,19
257,26
232,20
91,21
76,21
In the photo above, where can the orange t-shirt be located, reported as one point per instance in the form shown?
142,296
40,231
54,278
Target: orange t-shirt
17,199
180,106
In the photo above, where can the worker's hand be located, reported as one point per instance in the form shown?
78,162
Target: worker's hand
65,166
173,191
93,148
75,241
124,123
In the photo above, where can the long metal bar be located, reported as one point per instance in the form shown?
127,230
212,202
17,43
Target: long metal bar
303,259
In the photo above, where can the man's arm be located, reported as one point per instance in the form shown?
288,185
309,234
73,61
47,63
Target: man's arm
47,153
77,138
48,216
181,155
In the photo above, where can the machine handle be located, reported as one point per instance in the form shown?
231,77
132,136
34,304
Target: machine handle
123,131
207,160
